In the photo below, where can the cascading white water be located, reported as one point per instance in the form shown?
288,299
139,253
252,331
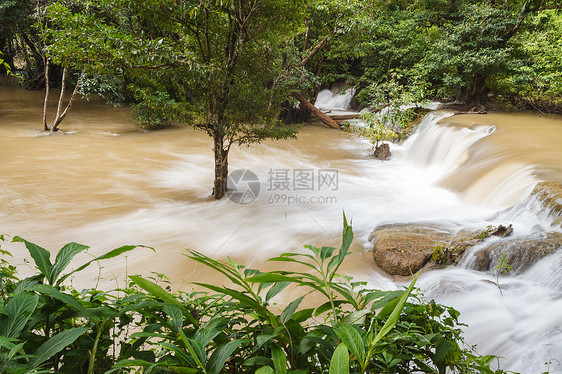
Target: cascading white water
340,100
107,184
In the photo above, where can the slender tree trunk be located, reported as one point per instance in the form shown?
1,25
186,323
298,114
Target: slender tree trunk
315,111
46,63
61,96
60,116
221,166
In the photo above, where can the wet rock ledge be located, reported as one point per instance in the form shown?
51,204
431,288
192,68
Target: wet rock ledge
404,249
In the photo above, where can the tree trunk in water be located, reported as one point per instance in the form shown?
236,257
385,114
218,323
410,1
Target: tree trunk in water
221,166
317,112
60,116
45,126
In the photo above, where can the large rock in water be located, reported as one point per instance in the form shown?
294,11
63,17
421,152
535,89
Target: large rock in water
520,253
403,249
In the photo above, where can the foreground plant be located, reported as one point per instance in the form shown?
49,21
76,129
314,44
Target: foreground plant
238,328
48,327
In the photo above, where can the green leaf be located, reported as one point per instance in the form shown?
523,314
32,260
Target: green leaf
265,370
326,252
111,254
40,255
272,277
302,315
355,318
65,298
443,347
155,290
210,330
175,317
279,359
395,315
221,354
55,344
339,364
248,301
352,340
326,307
275,289
290,310
262,339
19,310
65,255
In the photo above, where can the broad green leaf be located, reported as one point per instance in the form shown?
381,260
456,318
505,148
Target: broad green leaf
132,362
265,370
326,252
275,289
221,354
40,255
183,370
443,347
65,255
340,360
19,310
290,310
175,317
15,350
155,290
206,333
258,361
55,344
302,315
65,298
262,339
279,359
111,254
180,354
355,318
352,340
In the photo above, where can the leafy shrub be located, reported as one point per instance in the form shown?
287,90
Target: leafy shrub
238,328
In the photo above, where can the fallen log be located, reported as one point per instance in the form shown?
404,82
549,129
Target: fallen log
316,112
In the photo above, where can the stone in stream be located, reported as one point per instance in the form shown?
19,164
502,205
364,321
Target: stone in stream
404,249
520,253
382,151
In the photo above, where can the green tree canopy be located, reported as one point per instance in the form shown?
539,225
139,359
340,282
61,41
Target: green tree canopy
215,65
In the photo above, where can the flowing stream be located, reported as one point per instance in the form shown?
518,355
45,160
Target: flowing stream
106,183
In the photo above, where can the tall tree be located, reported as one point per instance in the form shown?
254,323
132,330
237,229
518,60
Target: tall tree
216,65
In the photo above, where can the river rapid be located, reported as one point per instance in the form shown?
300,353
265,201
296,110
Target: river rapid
105,183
